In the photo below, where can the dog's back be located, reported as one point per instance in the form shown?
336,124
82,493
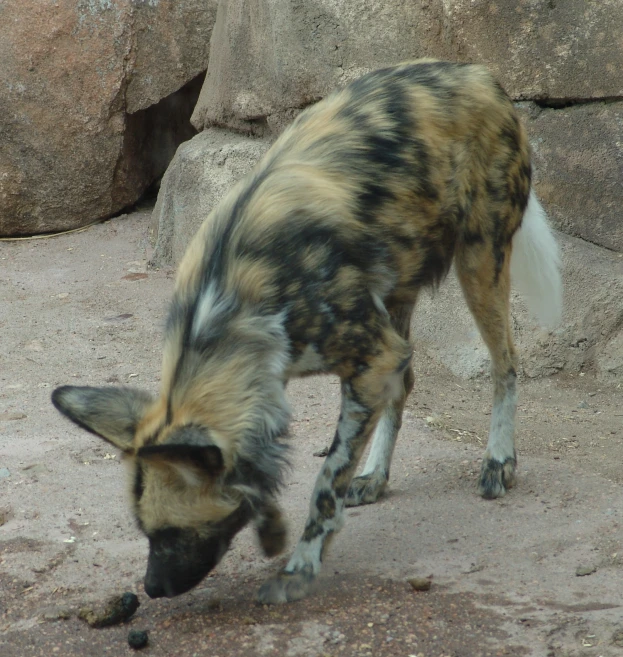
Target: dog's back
370,192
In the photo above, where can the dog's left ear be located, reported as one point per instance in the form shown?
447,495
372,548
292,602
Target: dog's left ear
111,413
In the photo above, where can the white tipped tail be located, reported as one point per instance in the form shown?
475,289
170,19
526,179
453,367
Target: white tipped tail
535,265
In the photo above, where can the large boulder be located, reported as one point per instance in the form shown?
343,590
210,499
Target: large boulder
578,158
87,120
201,172
562,50
270,57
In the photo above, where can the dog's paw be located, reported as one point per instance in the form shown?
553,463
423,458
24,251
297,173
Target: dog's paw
496,477
365,489
286,587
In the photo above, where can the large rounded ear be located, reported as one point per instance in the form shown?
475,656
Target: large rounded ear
112,413
194,463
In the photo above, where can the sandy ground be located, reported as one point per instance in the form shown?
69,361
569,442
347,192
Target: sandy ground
506,575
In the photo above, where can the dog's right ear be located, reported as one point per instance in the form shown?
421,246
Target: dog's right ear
111,413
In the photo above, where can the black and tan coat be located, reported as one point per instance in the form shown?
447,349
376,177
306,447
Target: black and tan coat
313,263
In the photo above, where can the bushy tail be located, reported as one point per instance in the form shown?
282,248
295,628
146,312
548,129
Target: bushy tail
535,265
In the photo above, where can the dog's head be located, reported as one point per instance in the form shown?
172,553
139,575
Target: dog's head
190,496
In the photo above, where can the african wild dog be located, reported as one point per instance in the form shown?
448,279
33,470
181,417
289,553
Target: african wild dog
313,263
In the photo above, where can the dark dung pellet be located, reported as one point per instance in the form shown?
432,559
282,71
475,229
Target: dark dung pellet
137,639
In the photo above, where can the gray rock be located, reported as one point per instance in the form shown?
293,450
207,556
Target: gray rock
609,357
271,57
420,583
578,161
202,171
57,613
583,571
542,49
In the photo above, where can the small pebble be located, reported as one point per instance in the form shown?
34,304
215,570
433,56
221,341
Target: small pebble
12,416
420,583
582,571
215,605
57,613
137,639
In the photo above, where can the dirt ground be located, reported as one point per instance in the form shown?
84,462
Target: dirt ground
539,572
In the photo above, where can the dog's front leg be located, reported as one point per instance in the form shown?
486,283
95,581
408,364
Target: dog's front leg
364,397
354,428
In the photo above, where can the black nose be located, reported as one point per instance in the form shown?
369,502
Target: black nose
154,589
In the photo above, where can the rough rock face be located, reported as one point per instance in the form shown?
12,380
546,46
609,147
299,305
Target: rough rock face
71,72
202,171
271,56
541,49
578,161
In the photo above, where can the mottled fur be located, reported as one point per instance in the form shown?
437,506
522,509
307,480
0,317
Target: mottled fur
313,263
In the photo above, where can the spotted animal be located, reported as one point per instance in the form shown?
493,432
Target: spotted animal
313,263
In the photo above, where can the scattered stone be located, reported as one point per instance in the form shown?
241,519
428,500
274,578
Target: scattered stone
117,609
57,613
323,452
582,571
10,417
4,473
474,568
583,404
35,468
119,318
617,638
420,583
215,604
434,421
5,515
136,276
137,639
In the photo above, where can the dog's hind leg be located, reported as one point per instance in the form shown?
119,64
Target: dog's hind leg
484,273
371,483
